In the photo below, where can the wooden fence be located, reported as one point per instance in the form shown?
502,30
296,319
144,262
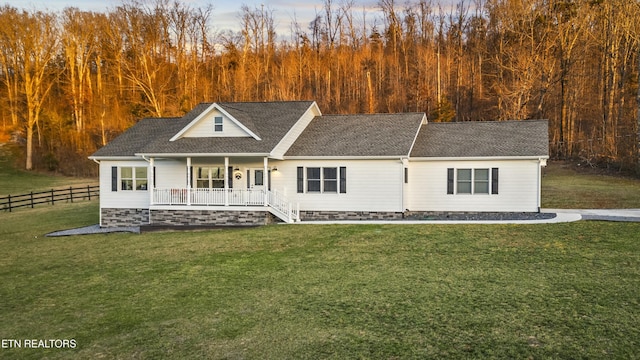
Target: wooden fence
70,194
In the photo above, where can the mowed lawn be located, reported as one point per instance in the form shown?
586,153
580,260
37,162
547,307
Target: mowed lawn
563,186
561,291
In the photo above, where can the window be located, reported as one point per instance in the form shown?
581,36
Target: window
464,181
133,178
217,124
481,181
472,181
259,178
313,179
210,177
330,179
326,180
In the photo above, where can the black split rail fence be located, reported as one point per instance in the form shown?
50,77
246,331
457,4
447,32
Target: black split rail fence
70,194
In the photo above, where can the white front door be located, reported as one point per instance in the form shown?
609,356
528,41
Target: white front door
257,179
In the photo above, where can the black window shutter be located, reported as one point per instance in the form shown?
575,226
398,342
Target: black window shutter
406,175
230,176
300,179
154,176
494,180
248,179
343,180
114,178
450,181
269,180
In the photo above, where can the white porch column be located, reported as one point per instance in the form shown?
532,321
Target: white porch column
151,180
265,180
189,177
226,181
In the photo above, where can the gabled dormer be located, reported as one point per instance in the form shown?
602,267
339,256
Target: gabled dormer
215,121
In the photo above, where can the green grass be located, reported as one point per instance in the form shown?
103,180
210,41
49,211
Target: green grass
564,187
14,181
337,292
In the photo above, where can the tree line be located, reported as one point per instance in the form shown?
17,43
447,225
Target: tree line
71,81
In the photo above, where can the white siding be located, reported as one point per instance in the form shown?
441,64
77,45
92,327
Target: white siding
372,185
127,199
204,127
171,173
518,187
295,131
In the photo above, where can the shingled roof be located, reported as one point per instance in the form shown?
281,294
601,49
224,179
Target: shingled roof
358,135
483,139
269,120
377,135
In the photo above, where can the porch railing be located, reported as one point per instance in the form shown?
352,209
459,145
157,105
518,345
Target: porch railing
235,197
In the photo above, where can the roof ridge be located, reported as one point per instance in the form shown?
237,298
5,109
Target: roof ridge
487,121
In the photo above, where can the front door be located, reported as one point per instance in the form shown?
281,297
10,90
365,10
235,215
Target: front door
256,180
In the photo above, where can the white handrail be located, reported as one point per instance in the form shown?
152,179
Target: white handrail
236,197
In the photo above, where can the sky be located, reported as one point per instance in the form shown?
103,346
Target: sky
225,14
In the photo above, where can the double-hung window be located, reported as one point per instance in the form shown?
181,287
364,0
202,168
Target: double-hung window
313,179
330,176
210,177
472,181
322,179
133,178
217,124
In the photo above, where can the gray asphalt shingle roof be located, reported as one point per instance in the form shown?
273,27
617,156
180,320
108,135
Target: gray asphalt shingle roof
269,120
336,135
358,135
483,139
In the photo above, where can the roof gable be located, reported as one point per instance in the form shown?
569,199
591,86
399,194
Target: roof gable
204,125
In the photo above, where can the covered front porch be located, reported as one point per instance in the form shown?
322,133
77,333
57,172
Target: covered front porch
232,184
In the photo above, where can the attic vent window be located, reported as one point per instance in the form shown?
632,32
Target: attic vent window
217,124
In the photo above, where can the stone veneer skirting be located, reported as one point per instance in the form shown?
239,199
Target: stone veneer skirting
349,215
136,217
124,217
210,217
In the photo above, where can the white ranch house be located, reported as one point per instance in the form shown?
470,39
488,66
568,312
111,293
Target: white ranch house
257,162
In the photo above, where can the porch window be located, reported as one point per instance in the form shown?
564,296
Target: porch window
210,177
133,178
217,124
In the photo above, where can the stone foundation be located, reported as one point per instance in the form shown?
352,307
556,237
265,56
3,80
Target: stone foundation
349,215
124,217
210,217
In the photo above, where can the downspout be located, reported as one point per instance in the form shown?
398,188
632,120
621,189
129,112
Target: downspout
150,180
541,162
403,163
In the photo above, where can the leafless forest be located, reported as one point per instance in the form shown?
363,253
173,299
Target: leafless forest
73,80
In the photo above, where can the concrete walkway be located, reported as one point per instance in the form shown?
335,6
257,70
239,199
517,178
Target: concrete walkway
629,215
94,229
562,216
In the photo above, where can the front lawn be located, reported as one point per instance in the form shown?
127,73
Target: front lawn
305,291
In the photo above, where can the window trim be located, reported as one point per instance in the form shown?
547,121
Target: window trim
209,178
491,183
218,124
303,180
137,183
